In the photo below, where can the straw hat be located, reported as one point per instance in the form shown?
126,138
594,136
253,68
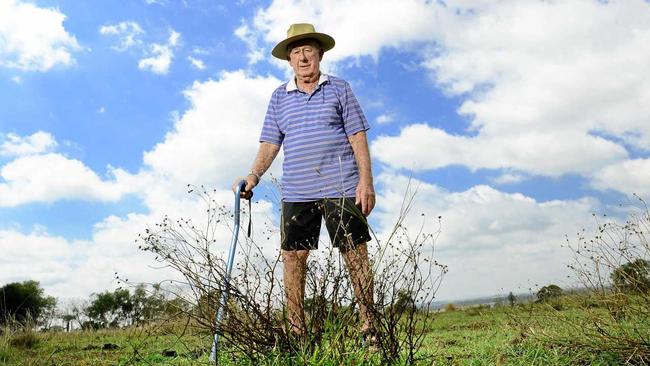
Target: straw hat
301,31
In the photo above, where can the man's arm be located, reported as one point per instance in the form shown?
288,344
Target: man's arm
265,156
365,193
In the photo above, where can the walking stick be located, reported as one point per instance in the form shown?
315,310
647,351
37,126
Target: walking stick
231,256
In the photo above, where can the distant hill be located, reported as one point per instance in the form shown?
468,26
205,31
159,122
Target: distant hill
487,300
494,300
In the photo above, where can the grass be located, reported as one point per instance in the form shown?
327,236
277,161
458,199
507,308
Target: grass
134,347
24,339
478,336
5,355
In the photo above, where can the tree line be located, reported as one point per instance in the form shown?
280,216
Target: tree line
26,304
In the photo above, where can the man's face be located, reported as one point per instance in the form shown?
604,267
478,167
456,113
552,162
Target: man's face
304,57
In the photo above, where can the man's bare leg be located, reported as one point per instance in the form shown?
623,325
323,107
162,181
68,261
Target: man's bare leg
295,271
358,265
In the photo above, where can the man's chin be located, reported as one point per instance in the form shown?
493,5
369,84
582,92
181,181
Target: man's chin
306,75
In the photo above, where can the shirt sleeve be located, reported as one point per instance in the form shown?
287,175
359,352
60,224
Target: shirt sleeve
353,118
271,130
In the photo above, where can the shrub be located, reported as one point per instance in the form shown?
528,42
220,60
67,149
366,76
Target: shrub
450,307
633,276
24,302
549,292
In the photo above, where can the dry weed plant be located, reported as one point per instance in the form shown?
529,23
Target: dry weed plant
255,326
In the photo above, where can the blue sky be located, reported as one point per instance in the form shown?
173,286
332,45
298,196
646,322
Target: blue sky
517,119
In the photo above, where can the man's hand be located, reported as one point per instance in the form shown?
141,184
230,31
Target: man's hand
365,197
251,182
365,193
263,160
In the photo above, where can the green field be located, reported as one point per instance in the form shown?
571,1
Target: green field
521,335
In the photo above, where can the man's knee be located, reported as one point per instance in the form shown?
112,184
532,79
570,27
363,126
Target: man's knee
295,264
355,252
295,256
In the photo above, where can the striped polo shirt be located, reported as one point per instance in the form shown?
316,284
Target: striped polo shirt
313,130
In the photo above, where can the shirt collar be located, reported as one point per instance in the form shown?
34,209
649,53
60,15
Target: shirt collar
291,85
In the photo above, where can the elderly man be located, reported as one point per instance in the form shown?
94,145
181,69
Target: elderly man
326,170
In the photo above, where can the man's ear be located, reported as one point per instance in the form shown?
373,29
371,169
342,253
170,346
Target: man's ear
321,53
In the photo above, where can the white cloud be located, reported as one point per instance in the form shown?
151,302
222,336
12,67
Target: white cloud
173,38
547,66
385,119
126,31
218,134
197,63
255,53
508,178
37,173
33,38
631,176
157,57
493,241
76,268
161,55
540,87
36,143
200,51
209,144
21,251
537,152
51,177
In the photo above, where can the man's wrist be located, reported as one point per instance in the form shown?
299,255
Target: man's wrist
365,180
257,177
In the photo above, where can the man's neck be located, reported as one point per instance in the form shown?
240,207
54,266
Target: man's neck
308,83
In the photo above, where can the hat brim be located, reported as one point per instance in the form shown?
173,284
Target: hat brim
280,50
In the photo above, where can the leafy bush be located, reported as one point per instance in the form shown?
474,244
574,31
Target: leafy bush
632,277
549,292
24,302
122,308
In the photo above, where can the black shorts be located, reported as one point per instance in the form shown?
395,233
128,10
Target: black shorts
301,221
